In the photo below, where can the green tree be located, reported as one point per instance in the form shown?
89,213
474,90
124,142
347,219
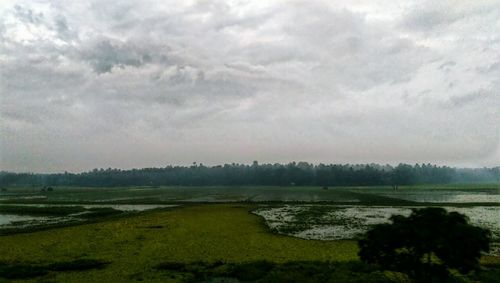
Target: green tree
426,244
402,175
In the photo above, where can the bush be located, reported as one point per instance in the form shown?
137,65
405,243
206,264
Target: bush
25,271
269,272
251,270
21,271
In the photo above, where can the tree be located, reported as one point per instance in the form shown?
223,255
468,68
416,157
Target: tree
495,171
301,173
402,175
426,244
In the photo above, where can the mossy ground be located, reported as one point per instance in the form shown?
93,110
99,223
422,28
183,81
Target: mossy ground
135,246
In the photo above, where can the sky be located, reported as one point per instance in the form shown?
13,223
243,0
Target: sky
131,84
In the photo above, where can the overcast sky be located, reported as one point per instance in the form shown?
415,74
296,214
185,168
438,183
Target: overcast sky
87,84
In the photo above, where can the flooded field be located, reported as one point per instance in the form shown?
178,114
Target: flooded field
335,222
36,215
9,219
180,194
304,212
480,195
121,207
341,195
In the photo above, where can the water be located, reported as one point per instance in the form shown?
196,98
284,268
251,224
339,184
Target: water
7,219
14,220
439,195
121,207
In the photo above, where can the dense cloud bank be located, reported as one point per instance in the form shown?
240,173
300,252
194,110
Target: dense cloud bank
132,83
292,174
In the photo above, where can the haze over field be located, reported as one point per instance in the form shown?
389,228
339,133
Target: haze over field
87,84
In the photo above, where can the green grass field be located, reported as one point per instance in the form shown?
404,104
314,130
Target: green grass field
135,245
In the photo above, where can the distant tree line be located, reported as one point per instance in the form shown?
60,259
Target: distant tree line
298,174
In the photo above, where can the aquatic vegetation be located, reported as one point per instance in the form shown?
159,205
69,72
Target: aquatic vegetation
336,222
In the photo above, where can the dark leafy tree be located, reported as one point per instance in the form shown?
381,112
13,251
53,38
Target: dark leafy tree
496,173
426,244
403,175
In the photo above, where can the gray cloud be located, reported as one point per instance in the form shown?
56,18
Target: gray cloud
131,84
105,55
27,15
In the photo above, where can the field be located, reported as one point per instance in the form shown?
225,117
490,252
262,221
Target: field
195,234
135,245
421,195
